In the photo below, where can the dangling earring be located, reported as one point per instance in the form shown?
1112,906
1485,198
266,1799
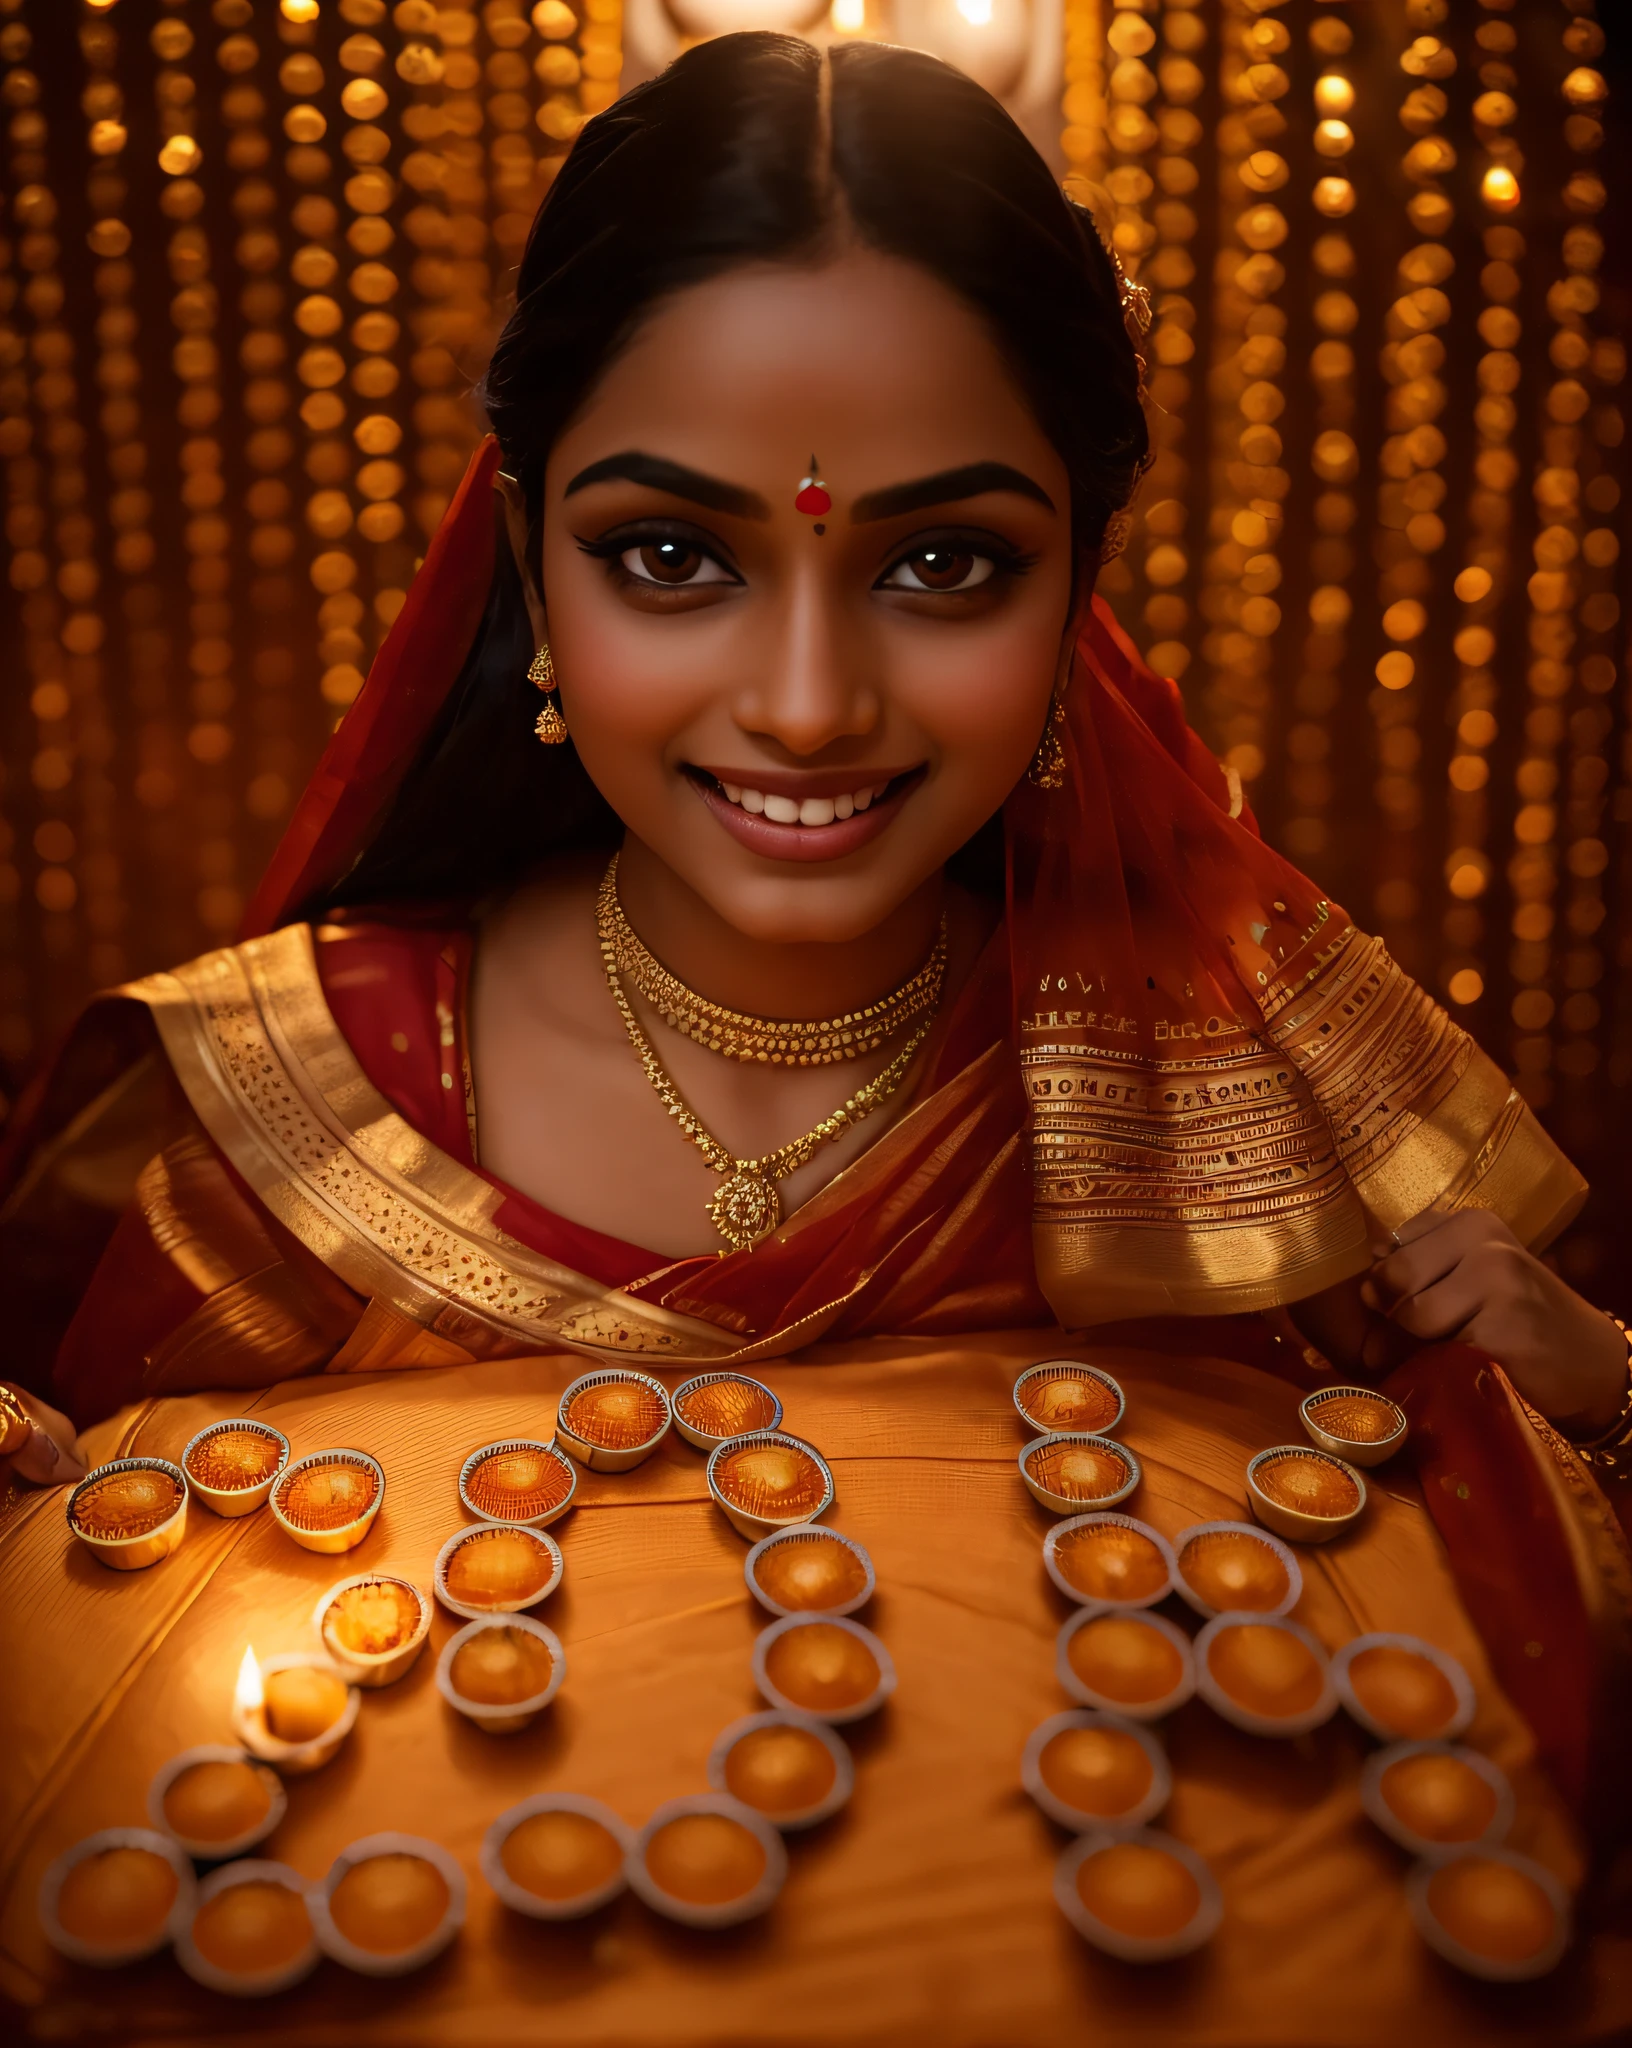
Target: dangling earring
1047,769
550,726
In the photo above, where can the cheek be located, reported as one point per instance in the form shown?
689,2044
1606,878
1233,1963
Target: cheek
629,681
980,697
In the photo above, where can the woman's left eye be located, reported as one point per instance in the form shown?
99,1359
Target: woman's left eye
940,568
673,564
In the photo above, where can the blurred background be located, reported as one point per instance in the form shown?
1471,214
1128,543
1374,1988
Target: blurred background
254,253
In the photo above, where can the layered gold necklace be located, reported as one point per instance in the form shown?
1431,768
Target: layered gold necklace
747,1205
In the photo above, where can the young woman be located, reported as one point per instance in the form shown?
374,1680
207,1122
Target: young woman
761,899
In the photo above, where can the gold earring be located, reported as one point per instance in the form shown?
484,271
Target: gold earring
1047,769
550,726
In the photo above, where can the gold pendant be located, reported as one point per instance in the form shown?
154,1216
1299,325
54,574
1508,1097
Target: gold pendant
745,1208
550,726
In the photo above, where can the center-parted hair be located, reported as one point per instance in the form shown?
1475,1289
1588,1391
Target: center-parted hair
752,148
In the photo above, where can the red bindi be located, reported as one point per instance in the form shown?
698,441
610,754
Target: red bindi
814,497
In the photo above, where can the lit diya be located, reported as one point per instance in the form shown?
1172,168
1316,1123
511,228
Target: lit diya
707,1861
373,1627
716,1406
1268,1676
502,1673
327,1500
1069,1473
829,1667
1088,1770
767,1481
518,1481
1400,1688
1235,1568
556,1856
216,1802
497,1568
130,1513
1061,1396
1354,1423
293,1712
1434,1796
1491,1913
1132,1663
116,1896
389,1904
789,1767
1141,1896
1303,1493
231,1466
251,1934
809,1571
1111,1560
610,1421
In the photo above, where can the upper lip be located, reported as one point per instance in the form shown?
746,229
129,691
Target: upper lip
802,782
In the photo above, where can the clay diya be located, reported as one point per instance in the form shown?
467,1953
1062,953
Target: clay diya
117,1896
823,1665
790,1767
1130,1662
1491,1913
716,1406
216,1802
501,1673
1111,1560
1265,1674
251,1933
1356,1424
1235,1568
517,1480
809,1571
293,1712
1141,1896
707,1861
1069,1473
1434,1797
1306,1494
1088,1770
388,1905
612,1421
1061,1397
327,1500
373,1627
557,1856
232,1466
497,1568
131,1512
1400,1688
768,1481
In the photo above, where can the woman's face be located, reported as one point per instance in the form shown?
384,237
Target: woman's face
803,701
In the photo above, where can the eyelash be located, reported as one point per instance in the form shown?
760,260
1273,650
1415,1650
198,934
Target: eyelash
611,547
988,547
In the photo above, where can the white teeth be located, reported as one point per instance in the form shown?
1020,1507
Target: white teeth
753,801
732,791
863,798
817,810
843,806
813,811
781,810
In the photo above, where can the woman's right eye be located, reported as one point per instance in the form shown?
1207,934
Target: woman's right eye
673,564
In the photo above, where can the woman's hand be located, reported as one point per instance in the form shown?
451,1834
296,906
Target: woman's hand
37,1441
1466,1276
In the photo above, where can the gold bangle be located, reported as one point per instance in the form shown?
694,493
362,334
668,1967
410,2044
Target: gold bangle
1603,1449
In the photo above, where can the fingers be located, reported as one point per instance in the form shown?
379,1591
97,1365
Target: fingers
1440,1311
49,1454
1431,1246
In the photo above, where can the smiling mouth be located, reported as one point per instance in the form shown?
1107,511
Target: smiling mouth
810,817
812,812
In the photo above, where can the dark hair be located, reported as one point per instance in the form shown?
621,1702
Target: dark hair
739,153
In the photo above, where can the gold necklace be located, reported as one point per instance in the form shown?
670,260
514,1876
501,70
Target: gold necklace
747,1205
772,1041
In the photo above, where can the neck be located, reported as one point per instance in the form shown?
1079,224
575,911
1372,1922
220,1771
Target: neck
765,977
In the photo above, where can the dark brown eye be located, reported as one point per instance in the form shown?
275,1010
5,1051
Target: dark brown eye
941,569
672,563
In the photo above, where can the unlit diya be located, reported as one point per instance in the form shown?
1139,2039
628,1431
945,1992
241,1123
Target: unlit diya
303,1701
1108,1560
810,1573
705,1859
322,1498
1101,1771
250,1928
1233,1571
559,1855
1308,1485
615,1414
117,1898
1138,1890
1439,1797
1079,1471
1403,1692
389,1903
1496,1911
821,1668
131,1501
771,1480
232,1461
372,1619
498,1569
1125,1659
780,1769
1355,1418
1267,1670
517,1483
727,1406
1068,1397
501,1666
217,1801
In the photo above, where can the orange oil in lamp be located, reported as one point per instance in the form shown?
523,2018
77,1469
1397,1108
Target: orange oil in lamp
373,1619
117,1896
561,1855
1234,1572
250,1927
326,1497
216,1801
615,1415
1121,1658
729,1407
1267,1670
1356,1418
303,1702
498,1567
705,1859
1138,1890
1308,1485
1404,1692
822,1668
1107,1562
774,1482
1069,1400
810,1574
389,1903
1441,1798
502,1666
1496,1911
233,1460
1078,1471
779,1770
1102,1771
518,1486
125,1504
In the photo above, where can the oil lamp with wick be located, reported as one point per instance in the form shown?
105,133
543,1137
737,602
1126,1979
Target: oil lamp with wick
293,1712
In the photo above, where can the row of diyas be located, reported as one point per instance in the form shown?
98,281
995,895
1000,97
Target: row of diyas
1100,1771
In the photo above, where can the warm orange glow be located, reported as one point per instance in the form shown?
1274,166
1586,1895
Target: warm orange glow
1334,95
1499,189
249,1694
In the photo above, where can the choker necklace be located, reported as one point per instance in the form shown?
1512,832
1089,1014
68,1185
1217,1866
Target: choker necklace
746,1206
773,1041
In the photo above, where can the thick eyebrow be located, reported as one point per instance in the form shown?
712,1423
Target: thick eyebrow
950,484
662,475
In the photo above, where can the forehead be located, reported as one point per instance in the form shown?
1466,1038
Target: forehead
868,361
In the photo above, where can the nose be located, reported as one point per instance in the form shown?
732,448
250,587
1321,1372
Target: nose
813,685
